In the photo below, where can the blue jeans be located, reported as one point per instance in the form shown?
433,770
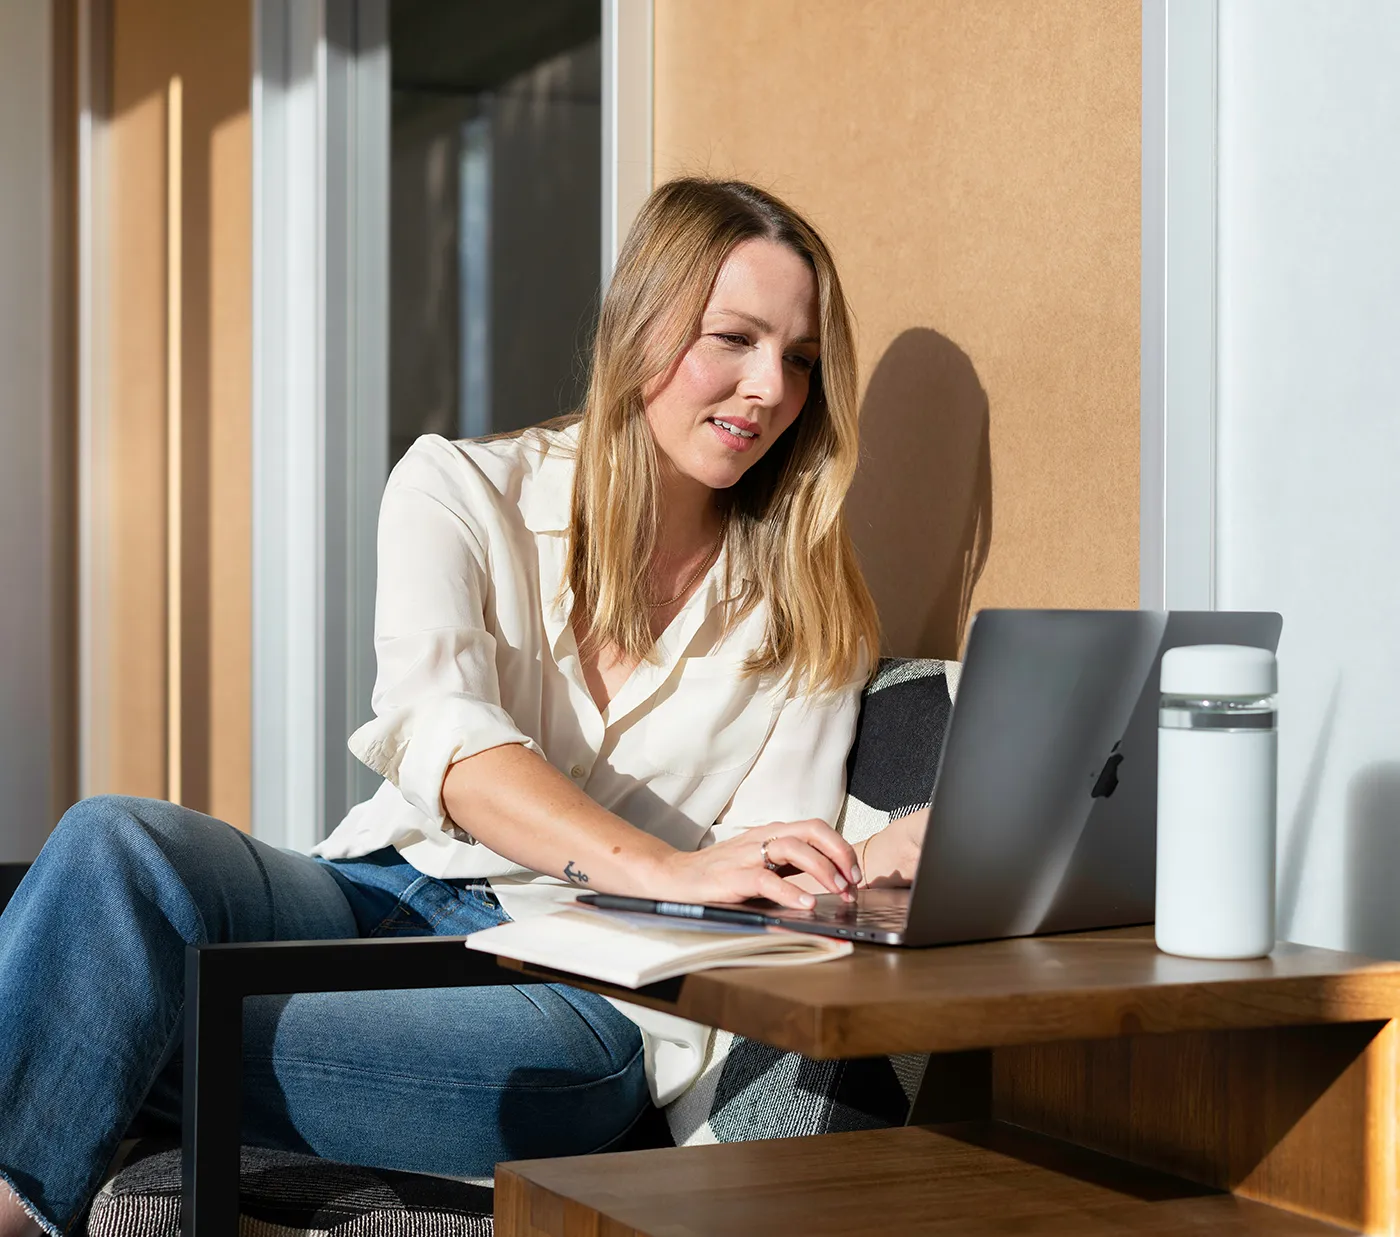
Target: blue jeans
445,1080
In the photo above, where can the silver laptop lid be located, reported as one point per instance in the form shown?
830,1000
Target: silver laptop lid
1113,875
1044,810
1043,697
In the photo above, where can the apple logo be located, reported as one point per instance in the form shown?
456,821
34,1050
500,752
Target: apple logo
1108,777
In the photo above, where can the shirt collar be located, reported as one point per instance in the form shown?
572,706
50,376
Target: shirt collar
547,490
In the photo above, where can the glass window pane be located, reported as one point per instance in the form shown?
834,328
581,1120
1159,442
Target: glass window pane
495,208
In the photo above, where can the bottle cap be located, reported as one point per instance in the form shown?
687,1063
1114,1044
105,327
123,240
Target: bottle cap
1206,670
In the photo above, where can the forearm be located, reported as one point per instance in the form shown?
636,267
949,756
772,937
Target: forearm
891,857
524,809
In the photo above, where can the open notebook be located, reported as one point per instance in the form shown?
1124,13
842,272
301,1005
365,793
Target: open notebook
632,950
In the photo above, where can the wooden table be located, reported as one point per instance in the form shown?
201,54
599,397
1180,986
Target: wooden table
1082,1084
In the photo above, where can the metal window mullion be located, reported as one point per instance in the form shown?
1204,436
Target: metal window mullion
336,150
368,465
1179,291
355,370
93,446
287,403
627,119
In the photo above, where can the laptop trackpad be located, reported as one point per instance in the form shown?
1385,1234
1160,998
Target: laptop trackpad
883,907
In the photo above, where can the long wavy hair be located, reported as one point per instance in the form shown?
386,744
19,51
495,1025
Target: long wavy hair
785,530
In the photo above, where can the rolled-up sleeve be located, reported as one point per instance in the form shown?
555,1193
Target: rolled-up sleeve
800,773
436,696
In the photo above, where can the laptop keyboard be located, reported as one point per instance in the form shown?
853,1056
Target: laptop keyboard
887,918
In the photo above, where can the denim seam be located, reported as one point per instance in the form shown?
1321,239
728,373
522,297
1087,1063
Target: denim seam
145,837
524,990
443,912
330,1067
262,872
404,910
602,1043
460,895
400,914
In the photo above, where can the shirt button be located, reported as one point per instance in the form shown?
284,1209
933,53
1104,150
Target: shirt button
577,772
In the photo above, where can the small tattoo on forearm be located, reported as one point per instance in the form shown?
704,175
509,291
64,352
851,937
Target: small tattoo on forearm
573,875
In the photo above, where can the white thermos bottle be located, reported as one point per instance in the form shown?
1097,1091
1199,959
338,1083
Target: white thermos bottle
1217,791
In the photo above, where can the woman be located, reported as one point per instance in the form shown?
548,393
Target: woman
624,652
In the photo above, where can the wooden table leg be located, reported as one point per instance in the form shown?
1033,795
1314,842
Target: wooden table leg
1303,1118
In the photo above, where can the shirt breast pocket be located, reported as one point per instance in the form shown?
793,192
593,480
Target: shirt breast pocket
713,720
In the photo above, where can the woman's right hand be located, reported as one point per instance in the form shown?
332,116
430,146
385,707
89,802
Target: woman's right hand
733,870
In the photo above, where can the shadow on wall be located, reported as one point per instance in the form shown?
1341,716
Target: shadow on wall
1373,860
920,510
1296,846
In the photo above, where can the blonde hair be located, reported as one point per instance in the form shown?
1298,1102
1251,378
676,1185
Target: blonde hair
785,528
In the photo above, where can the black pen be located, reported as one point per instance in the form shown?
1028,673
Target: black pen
676,910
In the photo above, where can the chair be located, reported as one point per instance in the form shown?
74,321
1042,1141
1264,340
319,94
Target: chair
893,762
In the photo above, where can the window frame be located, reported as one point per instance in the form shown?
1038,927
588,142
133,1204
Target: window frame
321,112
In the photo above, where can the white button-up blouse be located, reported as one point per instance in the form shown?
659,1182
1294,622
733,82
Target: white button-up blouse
475,650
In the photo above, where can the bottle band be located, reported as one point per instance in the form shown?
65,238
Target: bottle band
1201,719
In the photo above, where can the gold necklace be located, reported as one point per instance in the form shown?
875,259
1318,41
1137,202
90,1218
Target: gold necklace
694,575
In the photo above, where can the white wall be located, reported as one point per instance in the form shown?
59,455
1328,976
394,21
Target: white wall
1308,431
25,526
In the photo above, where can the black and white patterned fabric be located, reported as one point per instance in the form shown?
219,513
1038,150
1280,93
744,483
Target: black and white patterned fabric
899,739
748,1090
288,1195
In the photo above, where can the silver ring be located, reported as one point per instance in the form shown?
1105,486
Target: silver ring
763,851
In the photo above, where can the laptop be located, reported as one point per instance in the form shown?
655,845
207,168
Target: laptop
1044,809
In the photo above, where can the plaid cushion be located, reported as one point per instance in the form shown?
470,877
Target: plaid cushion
284,1194
748,1090
899,738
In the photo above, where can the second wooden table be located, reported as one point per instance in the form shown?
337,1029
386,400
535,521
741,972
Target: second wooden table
1273,1079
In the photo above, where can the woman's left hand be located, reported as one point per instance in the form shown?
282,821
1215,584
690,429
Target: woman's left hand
891,857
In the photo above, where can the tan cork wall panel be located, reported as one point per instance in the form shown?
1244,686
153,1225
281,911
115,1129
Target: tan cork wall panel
975,166
208,48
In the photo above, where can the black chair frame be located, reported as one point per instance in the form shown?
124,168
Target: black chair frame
218,977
